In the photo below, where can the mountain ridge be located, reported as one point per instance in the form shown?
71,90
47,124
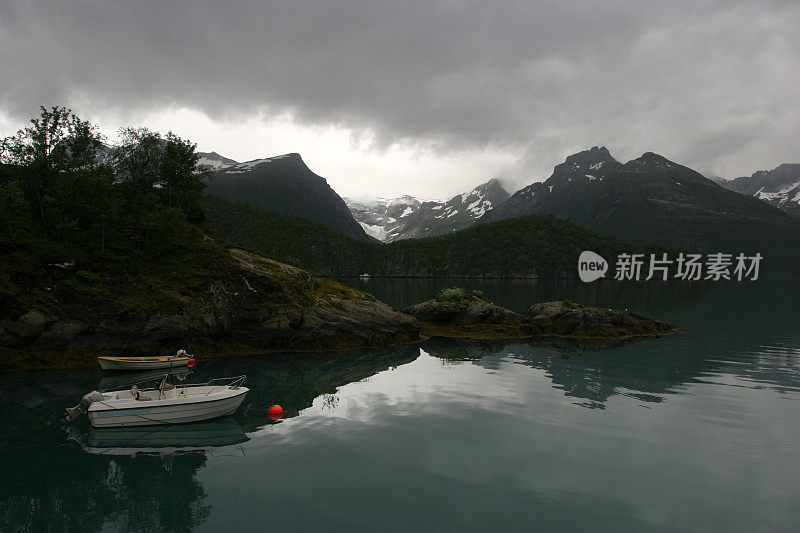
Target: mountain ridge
281,183
652,199
779,187
524,247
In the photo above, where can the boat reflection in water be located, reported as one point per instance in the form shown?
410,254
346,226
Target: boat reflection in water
197,436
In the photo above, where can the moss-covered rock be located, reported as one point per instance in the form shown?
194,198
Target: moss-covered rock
477,318
464,311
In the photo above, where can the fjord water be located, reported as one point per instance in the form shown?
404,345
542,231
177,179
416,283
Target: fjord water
694,431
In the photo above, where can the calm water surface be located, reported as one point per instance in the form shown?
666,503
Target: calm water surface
694,431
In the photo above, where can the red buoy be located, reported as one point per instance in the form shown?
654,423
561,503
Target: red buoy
275,412
191,362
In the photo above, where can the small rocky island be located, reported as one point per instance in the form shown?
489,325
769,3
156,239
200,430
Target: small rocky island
458,314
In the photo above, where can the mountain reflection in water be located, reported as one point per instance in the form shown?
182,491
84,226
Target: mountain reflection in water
697,430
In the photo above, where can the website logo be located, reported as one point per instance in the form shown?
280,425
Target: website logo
690,267
591,266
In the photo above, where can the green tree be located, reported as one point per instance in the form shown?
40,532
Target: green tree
160,170
138,162
161,186
55,144
181,179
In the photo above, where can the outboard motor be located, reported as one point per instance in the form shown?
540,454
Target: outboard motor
88,399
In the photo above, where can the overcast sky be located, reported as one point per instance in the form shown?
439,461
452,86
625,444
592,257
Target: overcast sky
428,98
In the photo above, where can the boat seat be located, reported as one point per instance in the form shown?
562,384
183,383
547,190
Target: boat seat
138,395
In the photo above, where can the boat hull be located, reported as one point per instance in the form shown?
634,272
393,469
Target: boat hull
174,411
141,363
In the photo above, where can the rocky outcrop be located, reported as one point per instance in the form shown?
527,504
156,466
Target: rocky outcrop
568,319
265,306
476,318
463,311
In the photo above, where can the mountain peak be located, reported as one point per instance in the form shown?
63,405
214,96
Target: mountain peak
493,185
652,158
407,217
404,200
595,154
596,160
493,191
285,184
594,157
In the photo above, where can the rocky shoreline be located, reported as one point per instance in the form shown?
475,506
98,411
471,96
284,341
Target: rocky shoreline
267,306
474,317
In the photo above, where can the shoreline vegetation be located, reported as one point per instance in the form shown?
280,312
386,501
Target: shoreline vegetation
107,251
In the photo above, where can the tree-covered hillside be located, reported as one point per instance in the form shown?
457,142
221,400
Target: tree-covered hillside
102,251
528,246
73,221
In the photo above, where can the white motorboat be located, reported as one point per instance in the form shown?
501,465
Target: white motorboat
166,404
112,362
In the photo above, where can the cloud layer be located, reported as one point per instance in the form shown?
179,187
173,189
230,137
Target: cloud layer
709,84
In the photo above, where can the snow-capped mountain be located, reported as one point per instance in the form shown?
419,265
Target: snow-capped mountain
407,217
580,174
651,199
282,183
779,187
382,216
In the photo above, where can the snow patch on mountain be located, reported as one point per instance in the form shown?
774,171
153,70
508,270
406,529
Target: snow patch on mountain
781,195
374,230
215,161
409,217
779,187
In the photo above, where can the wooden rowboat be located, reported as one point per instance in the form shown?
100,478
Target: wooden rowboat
142,363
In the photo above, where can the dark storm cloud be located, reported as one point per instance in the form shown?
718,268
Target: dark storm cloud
711,84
